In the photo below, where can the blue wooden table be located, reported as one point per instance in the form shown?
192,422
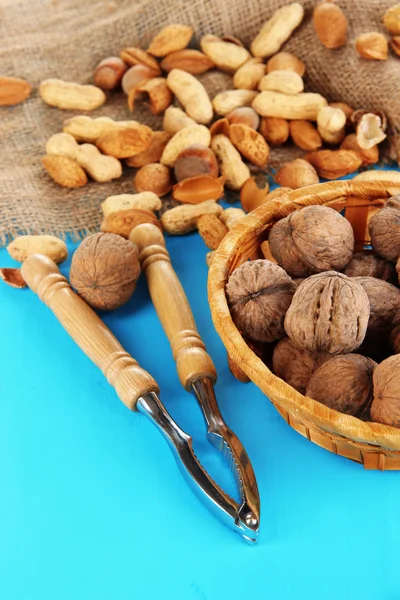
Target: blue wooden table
92,505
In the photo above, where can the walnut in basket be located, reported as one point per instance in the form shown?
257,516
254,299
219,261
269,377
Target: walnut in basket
312,240
329,313
345,384
384,300
384,229
386,403
395,335
259,293
368,264
296,365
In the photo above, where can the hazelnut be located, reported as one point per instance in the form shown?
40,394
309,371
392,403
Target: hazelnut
395,335
345,384
259,294
312,240
109,72
274,130
372,45
391,19
385,406
296,174
384,301
155,178
284,61
104,270
329,313
368,264
195,160
384,229
296,365
245,115
136,75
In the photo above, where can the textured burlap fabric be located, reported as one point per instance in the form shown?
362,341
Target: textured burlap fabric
67,38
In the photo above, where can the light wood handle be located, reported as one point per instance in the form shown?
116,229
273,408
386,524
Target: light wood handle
87,330
172,306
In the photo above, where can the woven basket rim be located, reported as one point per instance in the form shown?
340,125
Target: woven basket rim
330,420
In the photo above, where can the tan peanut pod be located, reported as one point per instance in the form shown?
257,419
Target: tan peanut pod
176,119
331,123
86,129
225,55
231,216
249,75
284,61
62,144
286,82
153,153
226,102
305,135
300,106
194,134
170,39
145,200
378,175
100,168
274,130
212,230
48,245
231,164
191,94
183,219
277,30
71,96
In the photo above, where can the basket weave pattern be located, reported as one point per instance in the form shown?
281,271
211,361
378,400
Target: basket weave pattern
374,445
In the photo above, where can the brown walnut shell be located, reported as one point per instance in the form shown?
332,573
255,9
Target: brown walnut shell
386,403
104,270
344,384
384,301
312,240
384,229
296,365
368,264
395,335
259,293
329,313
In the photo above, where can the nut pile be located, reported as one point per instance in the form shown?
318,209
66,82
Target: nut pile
330,317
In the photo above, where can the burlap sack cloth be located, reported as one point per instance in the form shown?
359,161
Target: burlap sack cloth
67,38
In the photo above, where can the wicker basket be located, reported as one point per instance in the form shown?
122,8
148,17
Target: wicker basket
376,446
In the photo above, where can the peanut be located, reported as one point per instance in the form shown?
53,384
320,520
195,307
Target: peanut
331,123
378,175
87,129
49,245
284,61
191,94
287,82
249,75
71,96
231,216
231,164
194,134
145,200
183,219
299,106
175,120
226,102
226,55
277,30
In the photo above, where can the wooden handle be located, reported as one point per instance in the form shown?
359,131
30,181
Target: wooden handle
172,306
87,330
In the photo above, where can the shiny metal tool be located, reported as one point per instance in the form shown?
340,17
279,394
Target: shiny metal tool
139,391
195,367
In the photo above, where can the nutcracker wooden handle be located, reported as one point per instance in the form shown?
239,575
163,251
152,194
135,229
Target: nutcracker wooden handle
87,330
172,306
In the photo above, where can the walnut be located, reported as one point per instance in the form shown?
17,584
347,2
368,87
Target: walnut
259,293
384,301
384,229
398,270
329,313
368,264
345,384
386,403
296,365
104,270
395,335
312,240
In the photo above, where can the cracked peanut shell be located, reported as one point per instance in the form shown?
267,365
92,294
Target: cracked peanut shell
329,313
312,240
259,293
